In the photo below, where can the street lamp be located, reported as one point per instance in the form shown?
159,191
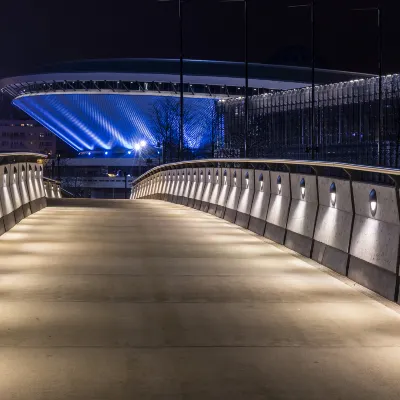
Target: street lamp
311,6
180,15
378,10
246,67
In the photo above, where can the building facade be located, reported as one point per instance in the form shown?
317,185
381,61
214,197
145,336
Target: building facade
26,136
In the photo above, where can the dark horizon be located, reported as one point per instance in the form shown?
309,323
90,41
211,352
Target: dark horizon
345,39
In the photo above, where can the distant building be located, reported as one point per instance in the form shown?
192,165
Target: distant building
26,136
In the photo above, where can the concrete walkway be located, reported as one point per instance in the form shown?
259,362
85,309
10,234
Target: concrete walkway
157,301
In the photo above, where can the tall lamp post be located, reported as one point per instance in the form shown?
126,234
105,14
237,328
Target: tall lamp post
311,6
181,125
246,73
378,10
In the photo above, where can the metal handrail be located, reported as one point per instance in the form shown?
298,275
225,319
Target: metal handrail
309,163
51,180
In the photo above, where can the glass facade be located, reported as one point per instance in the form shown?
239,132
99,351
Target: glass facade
351,123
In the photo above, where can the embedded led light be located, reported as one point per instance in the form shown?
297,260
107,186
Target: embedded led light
247,180
261,180
234,178
303,187
217,177
209,176
373,201
332,191
279,183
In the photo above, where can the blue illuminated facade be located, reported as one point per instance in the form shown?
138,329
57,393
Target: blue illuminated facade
107,121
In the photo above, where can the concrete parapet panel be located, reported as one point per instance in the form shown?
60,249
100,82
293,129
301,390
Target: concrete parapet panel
232,201
259,208
164,184
188,186
333,227
202,178
213,202
375,239
33,187
302,214
23,188
158,185
279,203
178,185
246,198
167,186
15,193
174,181
194,177
209,179
330,257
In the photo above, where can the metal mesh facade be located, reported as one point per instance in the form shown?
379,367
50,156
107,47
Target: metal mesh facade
347,124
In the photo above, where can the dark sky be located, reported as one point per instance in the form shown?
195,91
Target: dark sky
37,32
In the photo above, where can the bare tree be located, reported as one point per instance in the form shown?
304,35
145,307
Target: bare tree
165,115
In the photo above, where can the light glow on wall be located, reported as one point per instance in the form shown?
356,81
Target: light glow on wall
90,121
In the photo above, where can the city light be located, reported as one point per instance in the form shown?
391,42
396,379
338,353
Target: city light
137,146
143,143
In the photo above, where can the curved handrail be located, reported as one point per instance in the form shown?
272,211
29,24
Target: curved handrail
309,163
51,180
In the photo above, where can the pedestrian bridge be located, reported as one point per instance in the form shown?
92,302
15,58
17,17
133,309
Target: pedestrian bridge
147,299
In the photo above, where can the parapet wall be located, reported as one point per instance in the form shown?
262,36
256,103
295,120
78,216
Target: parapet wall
22,192
351,227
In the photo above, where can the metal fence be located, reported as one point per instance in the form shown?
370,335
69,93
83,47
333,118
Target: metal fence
355,122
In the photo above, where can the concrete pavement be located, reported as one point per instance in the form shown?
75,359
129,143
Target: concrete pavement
151,300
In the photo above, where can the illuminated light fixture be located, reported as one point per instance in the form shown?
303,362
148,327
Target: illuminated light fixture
106,152
279,183
129,152
303,188
217,177
373,201
332,191
201,175
261,180
143,143
209,175
194,176
5,176
224,177
90,153
247,180
137,146
234,178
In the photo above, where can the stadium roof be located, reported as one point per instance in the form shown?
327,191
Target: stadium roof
197,72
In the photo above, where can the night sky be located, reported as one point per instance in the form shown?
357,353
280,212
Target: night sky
38,32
